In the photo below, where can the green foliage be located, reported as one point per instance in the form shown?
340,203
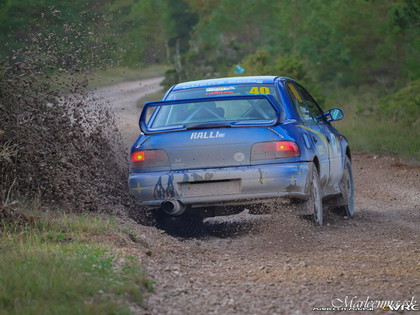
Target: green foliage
406,14
403,106
368,130
255,64
171,78
290,66
344,42
133,32
340,42
68,25
264,63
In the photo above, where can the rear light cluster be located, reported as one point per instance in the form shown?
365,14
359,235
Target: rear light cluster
149,158
274,150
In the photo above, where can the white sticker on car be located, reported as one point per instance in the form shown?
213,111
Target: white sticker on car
206,135
239,156
221,89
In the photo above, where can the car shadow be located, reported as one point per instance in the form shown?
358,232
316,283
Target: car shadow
220,227
190,227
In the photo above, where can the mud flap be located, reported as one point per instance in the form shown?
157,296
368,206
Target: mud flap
305,208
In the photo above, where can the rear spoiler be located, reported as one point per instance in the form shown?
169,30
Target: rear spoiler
145,123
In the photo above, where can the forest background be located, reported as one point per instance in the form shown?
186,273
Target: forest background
60,162
361,55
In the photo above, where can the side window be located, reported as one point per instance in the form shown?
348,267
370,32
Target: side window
316,112
301,107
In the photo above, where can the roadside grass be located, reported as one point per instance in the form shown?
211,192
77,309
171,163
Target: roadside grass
79,82
368,132
383,137
52,263
117,75
157,96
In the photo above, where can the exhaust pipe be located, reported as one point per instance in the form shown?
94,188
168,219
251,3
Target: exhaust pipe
173,207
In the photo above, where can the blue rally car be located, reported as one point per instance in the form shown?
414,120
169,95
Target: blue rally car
211,147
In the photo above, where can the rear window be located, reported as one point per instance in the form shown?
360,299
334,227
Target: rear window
226,90
236,110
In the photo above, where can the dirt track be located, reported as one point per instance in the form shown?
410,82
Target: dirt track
122,99
282,264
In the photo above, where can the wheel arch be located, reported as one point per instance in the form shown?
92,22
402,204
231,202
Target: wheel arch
348,153
315,160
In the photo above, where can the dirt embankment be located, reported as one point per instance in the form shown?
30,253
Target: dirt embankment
282,264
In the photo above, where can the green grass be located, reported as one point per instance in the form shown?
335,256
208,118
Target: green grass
383,137
66,264
368,132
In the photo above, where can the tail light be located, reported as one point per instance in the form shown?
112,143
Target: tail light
149,158
274,150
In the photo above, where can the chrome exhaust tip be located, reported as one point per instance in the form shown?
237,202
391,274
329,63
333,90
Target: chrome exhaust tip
173,207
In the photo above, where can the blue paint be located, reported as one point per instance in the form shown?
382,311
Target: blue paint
195,151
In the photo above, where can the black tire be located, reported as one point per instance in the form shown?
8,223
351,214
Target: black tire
315,197
347,189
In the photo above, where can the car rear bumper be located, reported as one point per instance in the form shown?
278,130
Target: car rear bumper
221,186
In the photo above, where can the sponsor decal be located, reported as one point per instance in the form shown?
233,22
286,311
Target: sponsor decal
295,93
139,188
323,139
221,88
219,93
216,82
259,90
206,135
239,156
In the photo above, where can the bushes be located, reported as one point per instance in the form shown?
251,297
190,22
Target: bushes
262,63
171,78
402,106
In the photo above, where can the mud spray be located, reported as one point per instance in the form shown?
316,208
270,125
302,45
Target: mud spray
58,142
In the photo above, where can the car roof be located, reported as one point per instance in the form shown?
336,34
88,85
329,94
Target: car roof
225,81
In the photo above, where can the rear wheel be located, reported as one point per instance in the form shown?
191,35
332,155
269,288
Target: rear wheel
347,189
316,196
313,204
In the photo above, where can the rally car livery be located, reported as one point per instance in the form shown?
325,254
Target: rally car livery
233,142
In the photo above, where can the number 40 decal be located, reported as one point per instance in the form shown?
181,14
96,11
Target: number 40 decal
261,90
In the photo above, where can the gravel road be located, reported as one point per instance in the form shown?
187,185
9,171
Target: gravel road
122,99
282,264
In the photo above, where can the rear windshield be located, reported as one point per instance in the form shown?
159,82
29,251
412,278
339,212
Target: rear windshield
248,89
258,110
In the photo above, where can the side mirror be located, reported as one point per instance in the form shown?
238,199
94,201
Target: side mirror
334,114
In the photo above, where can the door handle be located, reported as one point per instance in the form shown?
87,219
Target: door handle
315,139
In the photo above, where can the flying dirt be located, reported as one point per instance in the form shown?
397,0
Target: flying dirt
280,263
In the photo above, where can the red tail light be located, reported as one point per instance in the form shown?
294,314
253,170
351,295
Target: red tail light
274,150
149,158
